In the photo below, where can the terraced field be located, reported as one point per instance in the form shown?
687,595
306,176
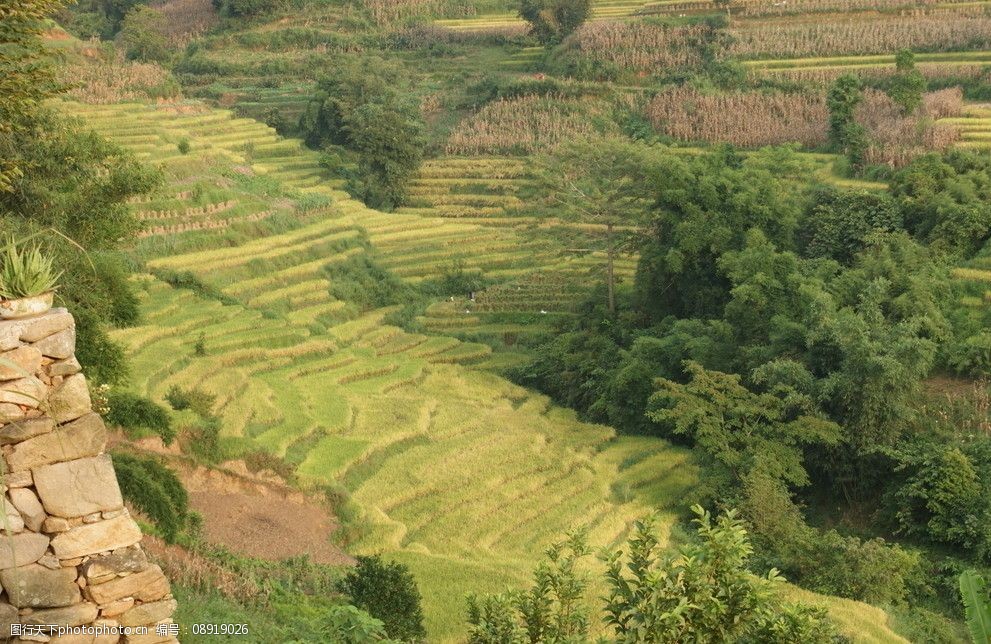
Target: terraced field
825,69
974,126
459,473
601,10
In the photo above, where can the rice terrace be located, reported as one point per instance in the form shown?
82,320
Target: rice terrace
496,321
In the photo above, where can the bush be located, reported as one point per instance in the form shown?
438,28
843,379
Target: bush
132,412
388,592
194,399
142,35
552,20
183,146
360,108
155,491
364,282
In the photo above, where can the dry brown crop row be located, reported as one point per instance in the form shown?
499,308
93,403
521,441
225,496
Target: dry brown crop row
386,12
754,119
638,46
862,37
748,119
528,124
895,139
112,81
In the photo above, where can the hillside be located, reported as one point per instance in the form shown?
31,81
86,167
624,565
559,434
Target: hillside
360,272
451,466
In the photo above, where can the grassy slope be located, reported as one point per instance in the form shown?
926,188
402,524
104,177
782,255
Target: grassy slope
462,475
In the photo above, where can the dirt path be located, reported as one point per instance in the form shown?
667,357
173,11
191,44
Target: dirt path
254,516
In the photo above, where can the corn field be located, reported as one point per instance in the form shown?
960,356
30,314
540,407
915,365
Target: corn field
754,119
638,46
896,139
387,12
113,81
523,125
864,37
746,119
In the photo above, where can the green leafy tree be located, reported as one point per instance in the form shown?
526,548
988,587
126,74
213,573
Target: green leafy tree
360,107
388,592
908,84
552,610
551,21
142,36
740,431
705,593
943,498
27,76
845,134
840,222
594,181
700,209
946,200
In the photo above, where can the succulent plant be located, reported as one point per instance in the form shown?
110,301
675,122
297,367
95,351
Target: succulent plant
25,271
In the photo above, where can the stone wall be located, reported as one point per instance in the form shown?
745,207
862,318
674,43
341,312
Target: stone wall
70,553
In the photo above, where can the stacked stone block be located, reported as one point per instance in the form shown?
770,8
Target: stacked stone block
70,553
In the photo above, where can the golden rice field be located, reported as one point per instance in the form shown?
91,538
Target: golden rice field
459,473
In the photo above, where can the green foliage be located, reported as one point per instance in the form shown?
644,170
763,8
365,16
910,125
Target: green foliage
552,610
908,84
493,619
143,35
100,18
104,360
388,592
703,207
552,20
183,146
974,593
845,134
362,281
361,108
27,76
197,400
156,492
25,270
705,593
943,498
133,412
945,200
841,222
740,431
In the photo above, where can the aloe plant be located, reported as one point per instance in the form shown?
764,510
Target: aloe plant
25,271
974,592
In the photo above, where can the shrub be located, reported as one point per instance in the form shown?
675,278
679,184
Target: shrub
142,35
388,592
194,399
360,108
155,491
552,20
183,146
132,412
